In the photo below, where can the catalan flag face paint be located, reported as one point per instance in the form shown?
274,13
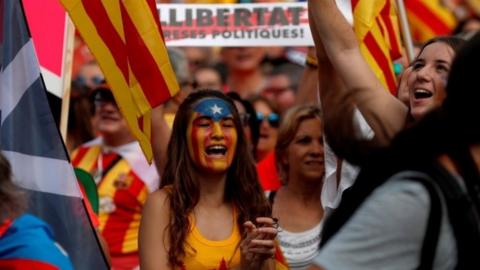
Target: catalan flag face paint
212,136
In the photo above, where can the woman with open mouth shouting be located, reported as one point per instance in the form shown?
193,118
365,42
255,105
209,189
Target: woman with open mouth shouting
210,212
341,62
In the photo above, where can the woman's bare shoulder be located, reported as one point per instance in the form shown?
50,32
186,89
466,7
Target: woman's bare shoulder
158,201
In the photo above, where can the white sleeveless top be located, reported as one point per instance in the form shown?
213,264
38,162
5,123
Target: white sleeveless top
300,248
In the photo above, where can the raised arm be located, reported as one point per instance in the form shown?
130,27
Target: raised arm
336,43
160,137
308,87
153,245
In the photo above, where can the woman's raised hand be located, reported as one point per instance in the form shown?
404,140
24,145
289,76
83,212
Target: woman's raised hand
258,245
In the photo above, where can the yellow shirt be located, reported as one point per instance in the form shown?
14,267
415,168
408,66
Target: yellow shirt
212,255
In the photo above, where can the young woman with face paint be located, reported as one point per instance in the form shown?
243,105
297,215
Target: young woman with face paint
210,212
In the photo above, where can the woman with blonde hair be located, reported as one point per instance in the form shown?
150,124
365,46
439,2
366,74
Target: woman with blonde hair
297,205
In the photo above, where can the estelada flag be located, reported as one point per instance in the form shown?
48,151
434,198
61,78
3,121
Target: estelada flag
376,27
429,18
126,39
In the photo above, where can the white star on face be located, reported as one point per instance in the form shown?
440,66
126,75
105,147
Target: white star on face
215,109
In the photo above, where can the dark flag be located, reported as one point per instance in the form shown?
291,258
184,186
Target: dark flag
30,139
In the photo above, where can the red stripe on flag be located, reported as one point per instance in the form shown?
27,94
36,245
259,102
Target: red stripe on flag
97,13
381,60
354,4
426,15
143,64
79,155
140,122
395,51
378,21
153,9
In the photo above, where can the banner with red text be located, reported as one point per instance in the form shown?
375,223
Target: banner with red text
235,25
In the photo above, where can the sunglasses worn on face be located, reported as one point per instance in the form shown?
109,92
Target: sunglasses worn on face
82,81
273,118
102,96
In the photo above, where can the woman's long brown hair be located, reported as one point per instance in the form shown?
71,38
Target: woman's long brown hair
242,187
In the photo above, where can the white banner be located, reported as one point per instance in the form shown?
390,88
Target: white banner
235,25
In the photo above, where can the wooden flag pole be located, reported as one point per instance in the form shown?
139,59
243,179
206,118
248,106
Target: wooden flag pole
407,36
67,77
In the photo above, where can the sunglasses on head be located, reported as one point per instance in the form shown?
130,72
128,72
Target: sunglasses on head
273,118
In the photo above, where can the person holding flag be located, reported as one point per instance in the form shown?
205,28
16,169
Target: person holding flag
127,41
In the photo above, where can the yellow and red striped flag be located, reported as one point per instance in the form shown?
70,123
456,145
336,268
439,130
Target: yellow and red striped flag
376,26
429,18
126,39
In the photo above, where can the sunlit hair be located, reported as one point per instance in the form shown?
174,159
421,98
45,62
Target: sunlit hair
12,201
287,131
242,188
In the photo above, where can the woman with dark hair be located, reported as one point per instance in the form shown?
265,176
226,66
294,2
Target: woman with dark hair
348,86
341,62
268,118
248,119
210,212
297,205
415,205
26,242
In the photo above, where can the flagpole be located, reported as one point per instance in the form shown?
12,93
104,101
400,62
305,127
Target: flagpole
70,31
407,36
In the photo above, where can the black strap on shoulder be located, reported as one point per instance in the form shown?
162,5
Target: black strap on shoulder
432,232
352,199
355,196
463,213
463,216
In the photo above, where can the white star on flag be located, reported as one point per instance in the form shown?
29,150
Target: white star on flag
216,109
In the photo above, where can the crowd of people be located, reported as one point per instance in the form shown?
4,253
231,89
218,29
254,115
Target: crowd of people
264,163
